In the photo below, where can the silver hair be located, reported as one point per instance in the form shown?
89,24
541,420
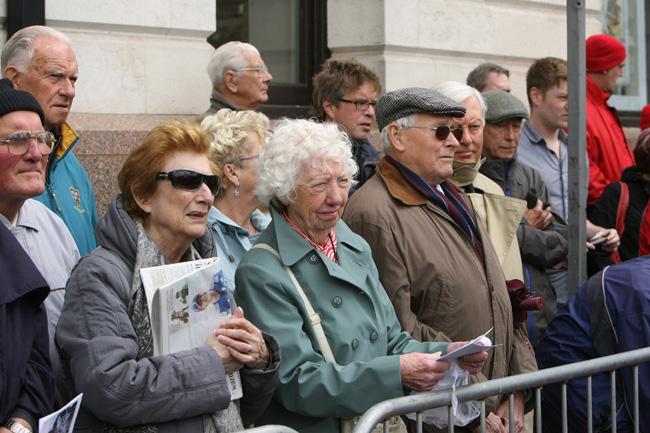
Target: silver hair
403,122
19,48
458,92
477,76
228,56
296,147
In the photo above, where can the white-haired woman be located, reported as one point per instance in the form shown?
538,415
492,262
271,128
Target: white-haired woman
238,138
332,370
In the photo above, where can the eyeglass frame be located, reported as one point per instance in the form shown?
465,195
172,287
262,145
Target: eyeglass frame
322,186
451,130
365,103
260,69
11,142
164,175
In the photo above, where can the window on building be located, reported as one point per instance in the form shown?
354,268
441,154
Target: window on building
291,37
625,20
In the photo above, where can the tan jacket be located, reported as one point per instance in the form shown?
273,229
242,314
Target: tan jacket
438,285
501,216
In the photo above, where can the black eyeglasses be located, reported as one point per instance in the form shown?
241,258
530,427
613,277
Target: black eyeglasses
441,132
360,104
188,180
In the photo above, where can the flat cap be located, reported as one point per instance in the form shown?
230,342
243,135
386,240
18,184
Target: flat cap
503,106
412,100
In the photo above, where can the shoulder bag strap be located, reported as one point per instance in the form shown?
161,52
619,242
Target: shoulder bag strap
313,315
621,212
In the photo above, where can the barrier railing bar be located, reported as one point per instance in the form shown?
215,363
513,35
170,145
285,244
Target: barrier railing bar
483,426
635,379
565,427
271,428
538,408
590,420
505,385
612,387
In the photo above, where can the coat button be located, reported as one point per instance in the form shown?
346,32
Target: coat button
312,258
374,335
355,344
337,301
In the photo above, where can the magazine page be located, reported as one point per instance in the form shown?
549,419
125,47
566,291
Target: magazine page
63,420
185,312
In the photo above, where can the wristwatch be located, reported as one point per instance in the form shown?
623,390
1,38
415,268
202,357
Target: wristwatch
16,427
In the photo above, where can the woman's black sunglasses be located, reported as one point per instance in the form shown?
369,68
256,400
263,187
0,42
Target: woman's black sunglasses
189,180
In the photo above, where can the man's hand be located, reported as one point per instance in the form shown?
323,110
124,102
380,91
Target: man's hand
504,412
473,363
538,217
612,240
493,424
421,371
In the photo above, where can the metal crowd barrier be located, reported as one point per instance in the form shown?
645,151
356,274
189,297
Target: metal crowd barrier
508,385
271,429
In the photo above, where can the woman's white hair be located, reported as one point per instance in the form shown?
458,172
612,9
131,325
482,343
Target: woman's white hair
19,48
297,147
458,92
228,56
403,122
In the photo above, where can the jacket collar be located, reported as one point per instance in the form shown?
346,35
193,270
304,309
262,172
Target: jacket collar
397,186
292,247
68,137
596,93
217,100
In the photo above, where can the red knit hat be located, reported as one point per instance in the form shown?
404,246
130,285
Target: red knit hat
603,53
645,117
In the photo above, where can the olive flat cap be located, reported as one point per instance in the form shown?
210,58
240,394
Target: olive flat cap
412,100
503,106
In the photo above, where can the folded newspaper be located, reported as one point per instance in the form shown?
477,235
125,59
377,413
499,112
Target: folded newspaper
187,301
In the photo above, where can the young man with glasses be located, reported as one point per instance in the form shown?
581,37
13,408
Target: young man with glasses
41,61
24,151
542,235
346,92
240,78
434,257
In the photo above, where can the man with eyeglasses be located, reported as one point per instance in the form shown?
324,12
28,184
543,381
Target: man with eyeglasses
41,61
542,235
434,257
24,151
346,92
239,76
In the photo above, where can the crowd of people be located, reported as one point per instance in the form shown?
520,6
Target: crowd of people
350,268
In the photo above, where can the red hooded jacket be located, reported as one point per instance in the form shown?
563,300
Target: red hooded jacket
607,148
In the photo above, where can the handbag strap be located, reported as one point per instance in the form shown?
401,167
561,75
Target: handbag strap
313,315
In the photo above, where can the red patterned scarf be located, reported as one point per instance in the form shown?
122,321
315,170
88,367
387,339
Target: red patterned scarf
328,247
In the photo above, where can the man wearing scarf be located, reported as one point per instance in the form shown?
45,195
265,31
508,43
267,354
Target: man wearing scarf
434,256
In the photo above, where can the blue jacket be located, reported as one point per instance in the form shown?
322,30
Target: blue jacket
26,382
609,314
69,193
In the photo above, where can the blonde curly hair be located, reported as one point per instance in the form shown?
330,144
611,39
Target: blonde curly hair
228,130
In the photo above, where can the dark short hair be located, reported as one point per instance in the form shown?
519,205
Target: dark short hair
545,73
138,174
477,76
338,77
642,151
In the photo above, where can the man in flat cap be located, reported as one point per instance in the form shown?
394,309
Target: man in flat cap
434,256
542,235
24,149
607,146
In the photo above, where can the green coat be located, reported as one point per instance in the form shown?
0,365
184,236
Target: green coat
357,316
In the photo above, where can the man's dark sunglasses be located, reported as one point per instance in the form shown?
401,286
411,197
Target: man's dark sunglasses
441,132
189,180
